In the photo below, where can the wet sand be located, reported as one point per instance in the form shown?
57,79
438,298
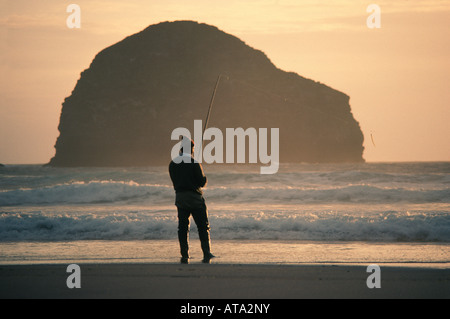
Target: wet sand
221,281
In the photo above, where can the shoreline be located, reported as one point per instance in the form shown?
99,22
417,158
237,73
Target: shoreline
221,281
249,252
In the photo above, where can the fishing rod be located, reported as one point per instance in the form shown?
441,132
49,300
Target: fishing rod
210,106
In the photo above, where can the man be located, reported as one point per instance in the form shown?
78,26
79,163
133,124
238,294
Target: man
188,179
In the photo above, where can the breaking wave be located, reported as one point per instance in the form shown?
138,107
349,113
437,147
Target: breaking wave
125,192
366,202
329,226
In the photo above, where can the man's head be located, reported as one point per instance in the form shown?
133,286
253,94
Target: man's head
187,146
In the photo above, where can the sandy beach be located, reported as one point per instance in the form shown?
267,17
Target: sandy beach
221,281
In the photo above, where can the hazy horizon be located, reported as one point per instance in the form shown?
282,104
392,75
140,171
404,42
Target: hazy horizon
397,76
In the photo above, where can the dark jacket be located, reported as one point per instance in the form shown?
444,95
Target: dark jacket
188,180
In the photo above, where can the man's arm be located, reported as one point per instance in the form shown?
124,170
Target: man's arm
171,171
199,175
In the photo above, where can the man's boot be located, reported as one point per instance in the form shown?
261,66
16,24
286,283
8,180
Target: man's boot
206,245
184,246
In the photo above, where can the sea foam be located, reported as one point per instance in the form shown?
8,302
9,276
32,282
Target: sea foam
355,202
280,225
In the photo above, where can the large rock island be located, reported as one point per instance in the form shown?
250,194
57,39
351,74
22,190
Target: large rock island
136,92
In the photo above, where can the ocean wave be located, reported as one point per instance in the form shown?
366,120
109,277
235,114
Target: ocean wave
324,226
101,192
83,193
345,194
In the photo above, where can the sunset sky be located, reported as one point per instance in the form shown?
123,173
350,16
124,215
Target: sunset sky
397,77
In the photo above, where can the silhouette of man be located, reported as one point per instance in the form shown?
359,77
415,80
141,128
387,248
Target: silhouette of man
188,179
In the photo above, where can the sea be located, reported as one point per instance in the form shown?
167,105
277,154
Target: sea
358,214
